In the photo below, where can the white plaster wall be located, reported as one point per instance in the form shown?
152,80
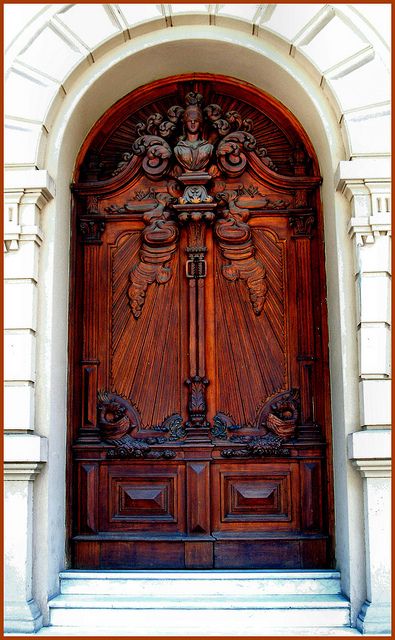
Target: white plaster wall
279,55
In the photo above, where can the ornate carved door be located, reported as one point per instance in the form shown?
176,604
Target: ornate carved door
199,412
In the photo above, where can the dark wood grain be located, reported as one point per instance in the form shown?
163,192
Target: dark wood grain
185,309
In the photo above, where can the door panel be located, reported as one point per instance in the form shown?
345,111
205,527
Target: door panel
199,410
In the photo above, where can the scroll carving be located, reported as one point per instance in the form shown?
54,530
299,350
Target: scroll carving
274,424
235,242
159,242
118,422
172,143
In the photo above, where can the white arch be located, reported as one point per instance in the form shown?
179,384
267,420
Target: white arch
352,70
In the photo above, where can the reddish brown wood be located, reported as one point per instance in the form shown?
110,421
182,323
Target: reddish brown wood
199,401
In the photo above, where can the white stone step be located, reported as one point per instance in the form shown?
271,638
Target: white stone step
127,611
208,603
159,630
204,583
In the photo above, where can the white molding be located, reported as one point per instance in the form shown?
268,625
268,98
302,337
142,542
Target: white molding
21,471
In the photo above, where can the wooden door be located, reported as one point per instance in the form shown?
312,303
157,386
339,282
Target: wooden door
199,410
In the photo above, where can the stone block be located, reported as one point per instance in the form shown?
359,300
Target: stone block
374,350
78,18
25,448
376,257
20,305
19,408
375,298
22,263
19,355
370,445
21,141
375,402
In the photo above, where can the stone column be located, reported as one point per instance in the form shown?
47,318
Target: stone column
369,450
25,452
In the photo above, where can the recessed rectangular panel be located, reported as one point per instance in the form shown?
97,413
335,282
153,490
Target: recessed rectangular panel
136,499
143,497
255,496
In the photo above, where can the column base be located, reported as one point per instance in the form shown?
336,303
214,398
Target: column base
22,617
374,618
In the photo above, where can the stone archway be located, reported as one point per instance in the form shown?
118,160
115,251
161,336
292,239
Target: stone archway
68,111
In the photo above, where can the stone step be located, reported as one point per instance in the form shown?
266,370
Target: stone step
160,630
200,615
128,611
200,583
208,603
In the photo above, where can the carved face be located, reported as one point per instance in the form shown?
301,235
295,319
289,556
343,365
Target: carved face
193,119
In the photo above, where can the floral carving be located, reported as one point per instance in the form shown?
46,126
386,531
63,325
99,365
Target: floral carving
235,242
118,419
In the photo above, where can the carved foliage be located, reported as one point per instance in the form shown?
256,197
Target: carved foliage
118,419
302,225
159,242
197,407
91,230
275,423
235,242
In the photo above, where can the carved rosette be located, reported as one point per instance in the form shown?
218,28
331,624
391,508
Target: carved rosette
118,419
236,245
275,423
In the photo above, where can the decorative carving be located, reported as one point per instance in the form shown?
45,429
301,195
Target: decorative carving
279,414
302,224
179,139
260,201
118,418
156,154
197,407
91,230
275,422
159,242
256,447
173,425
235,242
231,158
299,160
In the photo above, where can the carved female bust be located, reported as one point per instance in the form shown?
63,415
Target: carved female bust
192,152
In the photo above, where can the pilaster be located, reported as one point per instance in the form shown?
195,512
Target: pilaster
367,188
24,457
26,194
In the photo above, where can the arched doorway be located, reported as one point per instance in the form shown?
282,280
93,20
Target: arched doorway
200,418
